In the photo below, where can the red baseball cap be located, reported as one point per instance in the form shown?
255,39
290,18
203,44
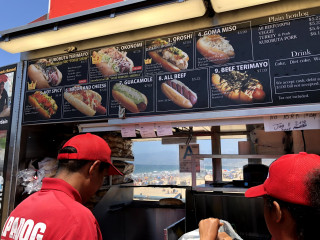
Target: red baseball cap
90,147
287,178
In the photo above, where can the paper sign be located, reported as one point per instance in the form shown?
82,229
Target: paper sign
164,129
292,122
128,131
147,130
185,153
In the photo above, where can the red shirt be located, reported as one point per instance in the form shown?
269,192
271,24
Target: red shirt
55,212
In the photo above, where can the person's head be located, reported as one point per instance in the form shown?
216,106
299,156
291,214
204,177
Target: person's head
1,85
86,157
291,196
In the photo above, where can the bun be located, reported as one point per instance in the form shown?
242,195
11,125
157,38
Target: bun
179,93
110,61
215,48
44,76
238,87
164,63
34,103
87,102
103,67
171,58
79,105
125,102
129,98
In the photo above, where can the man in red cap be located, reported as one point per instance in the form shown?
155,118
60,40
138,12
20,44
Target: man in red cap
291,195
56,211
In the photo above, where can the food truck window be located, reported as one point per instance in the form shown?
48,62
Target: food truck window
232,169
157,164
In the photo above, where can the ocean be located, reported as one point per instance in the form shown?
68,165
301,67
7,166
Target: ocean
144,168
147,168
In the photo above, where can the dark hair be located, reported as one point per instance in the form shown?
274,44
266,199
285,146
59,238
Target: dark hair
74,165
313,186
305,217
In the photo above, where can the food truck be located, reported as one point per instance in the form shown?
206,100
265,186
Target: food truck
231,84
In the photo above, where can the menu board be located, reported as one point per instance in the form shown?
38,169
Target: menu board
271,61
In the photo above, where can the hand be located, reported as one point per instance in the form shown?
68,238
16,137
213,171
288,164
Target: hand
208,228
223,236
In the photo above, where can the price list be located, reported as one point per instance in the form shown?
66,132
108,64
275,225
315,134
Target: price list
314,26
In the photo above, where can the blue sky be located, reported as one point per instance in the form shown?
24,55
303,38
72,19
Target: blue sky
16,13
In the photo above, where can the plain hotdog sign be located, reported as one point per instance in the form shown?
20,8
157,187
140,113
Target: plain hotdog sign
23,229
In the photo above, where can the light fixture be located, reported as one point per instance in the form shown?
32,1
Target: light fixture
51,33
228,5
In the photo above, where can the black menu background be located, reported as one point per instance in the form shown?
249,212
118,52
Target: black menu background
281,51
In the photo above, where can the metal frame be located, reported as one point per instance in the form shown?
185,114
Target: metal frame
11,170
88,15
210,118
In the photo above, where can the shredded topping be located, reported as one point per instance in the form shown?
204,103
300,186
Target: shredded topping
49,72
117,60
237,81
218,42
46,102
172,54
87,97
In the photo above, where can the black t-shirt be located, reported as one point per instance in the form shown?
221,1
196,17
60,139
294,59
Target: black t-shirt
3,99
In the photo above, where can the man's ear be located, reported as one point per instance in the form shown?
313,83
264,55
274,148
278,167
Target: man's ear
277,211
94,167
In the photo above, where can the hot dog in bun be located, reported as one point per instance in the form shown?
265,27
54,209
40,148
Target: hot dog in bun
43,103
44,74
110,61
129,98
240,87
179,93
86,101
171,58
215,48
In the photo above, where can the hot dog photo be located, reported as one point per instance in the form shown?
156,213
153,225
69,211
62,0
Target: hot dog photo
43,74
179,93
111,61
169,54
215,48
182,91
239,87
43,104
243,83
133,96
84,100
171,58
129,98
223,44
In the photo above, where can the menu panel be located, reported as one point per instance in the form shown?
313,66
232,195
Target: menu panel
135,95
270,61
170,53
116,62
223,44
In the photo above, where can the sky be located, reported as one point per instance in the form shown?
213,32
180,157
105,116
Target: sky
16,13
